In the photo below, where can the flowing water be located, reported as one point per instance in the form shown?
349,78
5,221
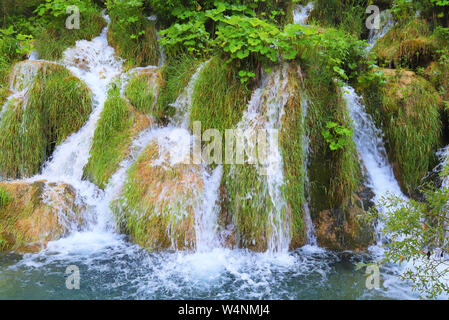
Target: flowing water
112,267
386,22
301,14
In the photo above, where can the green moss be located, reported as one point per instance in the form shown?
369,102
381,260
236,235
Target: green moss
111,139
51,41
292,150
249,203
153,220
407,44
176,74
57,105
139,52
140,93
408,109
27,222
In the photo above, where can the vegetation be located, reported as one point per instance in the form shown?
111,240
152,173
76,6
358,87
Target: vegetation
56,105
131,34
403,81
122,119
152,220
52,36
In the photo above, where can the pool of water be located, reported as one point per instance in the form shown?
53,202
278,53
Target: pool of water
113,268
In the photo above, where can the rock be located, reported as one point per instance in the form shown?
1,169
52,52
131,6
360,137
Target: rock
36,213
158,205
346,228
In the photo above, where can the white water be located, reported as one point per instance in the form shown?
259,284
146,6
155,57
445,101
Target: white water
386,23
371,150
301,14
264,112
311,234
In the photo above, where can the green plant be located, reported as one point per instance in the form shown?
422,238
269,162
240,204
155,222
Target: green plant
336,135
4,197
417,233
131,33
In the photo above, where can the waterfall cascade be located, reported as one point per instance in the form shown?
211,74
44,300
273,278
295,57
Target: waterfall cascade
100,250
302,13
386,23
371,150
264,112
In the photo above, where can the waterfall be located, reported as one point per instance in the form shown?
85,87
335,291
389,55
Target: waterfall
95,63
302,13
386,23
264,112
311,235
372,152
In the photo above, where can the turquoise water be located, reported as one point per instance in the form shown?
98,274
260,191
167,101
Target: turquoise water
121,270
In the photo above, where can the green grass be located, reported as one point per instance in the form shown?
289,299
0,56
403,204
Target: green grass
4,197
219,98
348,15
51,41
334,175
140,93
176,74
58,105
407,44
408,109
111,139
139,52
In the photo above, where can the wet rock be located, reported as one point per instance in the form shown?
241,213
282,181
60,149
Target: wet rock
36,213
348,228
158,204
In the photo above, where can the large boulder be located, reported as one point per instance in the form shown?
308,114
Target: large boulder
348,227
32,214
160,199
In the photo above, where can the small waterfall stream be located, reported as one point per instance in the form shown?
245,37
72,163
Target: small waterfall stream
386,23
371,150
264,112
302,13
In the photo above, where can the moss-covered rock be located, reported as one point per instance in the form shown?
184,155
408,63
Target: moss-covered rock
407,44
52,104
121,121
36,213
248,203
292,137
335,177
158,203
345,228
408,109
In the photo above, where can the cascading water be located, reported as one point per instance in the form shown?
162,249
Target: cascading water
371,149
386,23
112,267
302,13
264,112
